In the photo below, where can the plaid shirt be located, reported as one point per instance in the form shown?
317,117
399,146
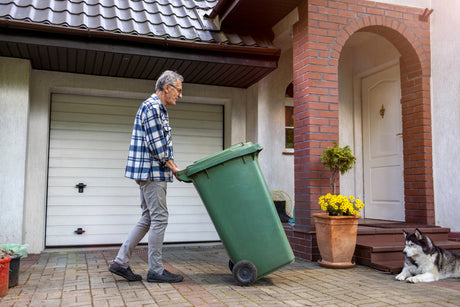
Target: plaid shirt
151,143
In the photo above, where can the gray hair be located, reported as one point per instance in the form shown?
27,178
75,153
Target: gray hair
167,77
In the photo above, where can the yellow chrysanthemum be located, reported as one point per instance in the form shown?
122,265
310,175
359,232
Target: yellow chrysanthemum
340,205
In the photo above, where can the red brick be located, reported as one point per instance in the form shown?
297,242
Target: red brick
385,6
347,14
356,8
394,14
318,16
328,25
338,5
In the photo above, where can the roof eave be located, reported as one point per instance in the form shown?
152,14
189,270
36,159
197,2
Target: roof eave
14,24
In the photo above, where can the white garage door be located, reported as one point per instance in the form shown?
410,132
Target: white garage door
89,142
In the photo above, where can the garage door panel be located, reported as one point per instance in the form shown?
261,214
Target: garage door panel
181,211
195,108
88,163
109,127
96,209
193,237
84,239
77,144
121,230
121,200
99,100
86,153
79,173
206,124
90,118
65,235
85,221
97,190
195,142
92,182
93,108
114,137
89,143
130,220
92,191
201,132
186,194
116,238
184,118
193,152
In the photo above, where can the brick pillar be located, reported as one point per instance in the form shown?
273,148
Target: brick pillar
324,27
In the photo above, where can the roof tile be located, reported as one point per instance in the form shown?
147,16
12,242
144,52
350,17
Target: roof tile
172,19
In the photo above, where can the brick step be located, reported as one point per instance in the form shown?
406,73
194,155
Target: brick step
369,235
393,267
388,257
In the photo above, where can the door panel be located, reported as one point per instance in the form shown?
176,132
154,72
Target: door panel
382,146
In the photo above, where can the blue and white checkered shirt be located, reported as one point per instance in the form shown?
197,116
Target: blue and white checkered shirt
151,143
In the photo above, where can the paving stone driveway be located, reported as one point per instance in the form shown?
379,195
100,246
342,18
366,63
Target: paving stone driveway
79,277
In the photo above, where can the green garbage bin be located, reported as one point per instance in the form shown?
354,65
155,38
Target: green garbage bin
235,194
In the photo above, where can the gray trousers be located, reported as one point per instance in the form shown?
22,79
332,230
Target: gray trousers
154,220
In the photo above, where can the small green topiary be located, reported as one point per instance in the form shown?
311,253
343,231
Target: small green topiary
338,160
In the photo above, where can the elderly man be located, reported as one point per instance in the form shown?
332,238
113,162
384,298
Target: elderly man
151,165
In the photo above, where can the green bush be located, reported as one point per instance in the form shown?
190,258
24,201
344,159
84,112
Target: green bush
339,160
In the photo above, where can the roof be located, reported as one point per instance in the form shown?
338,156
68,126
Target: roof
145,36
182,20
256,15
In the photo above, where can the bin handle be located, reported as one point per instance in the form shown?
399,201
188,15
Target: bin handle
183,176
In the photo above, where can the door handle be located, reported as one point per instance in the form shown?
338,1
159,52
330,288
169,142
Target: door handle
399,134
80,187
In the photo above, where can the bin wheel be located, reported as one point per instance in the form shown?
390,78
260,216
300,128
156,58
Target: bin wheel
244,272
230,265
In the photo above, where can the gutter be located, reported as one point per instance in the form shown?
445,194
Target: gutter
217,47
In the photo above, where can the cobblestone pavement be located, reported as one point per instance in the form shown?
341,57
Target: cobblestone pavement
80,277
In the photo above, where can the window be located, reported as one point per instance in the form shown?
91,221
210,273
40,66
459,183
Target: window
289,126
289,117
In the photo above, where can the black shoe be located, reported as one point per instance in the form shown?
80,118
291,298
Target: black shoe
165,277
115,268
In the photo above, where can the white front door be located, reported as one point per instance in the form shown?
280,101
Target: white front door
383,146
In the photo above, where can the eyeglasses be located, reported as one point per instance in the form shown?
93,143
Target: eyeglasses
178,90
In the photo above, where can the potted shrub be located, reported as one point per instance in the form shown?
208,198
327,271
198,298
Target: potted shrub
339,160
337,227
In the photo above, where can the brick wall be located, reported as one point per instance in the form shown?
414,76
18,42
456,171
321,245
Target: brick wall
324,27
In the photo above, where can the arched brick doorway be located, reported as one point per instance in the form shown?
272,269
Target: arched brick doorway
319,36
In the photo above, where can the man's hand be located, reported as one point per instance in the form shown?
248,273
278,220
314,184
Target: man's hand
173,167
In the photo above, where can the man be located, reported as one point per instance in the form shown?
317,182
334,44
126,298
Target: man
151,164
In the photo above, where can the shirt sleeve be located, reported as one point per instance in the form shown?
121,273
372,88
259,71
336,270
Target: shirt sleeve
157,135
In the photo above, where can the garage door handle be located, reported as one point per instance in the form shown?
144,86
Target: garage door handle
79,231
80,187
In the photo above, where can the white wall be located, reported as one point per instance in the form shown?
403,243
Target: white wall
14,111
43,83
445,102
267,110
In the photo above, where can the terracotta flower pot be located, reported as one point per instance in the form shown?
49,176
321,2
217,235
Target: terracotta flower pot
336,236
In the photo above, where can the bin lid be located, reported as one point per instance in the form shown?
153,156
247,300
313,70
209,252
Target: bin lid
235,151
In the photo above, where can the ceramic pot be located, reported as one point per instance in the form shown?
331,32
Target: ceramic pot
336,236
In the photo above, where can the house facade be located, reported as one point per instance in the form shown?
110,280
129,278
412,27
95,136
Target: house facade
378,76
365,75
